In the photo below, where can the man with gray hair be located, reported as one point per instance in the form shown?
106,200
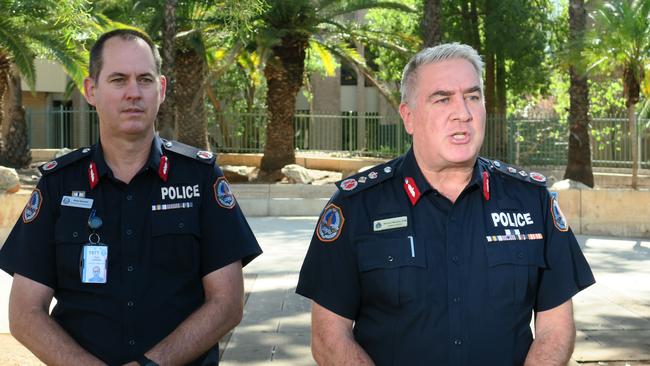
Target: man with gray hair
440,257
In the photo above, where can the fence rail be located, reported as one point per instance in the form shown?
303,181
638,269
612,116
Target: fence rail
521,141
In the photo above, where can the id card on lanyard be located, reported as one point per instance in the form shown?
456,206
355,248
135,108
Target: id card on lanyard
93,263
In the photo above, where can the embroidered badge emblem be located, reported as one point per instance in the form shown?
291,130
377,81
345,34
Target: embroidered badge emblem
373,175
222,193
558,217
330,224
204,154
486,186
412,190
362,179
33,206
537,177
388,169
348,184
497,164
51,165
512,170
523,173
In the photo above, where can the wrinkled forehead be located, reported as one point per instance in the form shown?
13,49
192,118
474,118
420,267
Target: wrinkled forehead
452,74
127,56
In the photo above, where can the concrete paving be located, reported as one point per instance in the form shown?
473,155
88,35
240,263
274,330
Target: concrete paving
612,317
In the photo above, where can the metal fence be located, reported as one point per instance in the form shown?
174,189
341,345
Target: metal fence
521,141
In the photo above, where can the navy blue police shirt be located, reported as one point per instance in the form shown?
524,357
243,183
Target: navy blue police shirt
175,222
428,282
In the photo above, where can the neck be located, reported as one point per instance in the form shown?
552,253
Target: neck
126,157
448,181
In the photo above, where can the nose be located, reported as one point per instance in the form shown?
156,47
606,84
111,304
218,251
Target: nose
461,111
133,90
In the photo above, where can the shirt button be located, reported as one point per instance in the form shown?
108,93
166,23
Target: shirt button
75,234
181,225
520,255
454,258
456,299
129,304
129,231
132,342
390,258
129,197
129,268
458,342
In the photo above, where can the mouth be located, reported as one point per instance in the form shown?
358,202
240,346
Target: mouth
132,110
460,137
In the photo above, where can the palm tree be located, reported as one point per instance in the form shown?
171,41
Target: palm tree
31,28
195,29
621,43
579,158
285,31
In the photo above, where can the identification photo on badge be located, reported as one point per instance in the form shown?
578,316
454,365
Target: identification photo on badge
94,260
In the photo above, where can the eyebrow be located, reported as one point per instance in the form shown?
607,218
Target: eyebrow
120,74
447,93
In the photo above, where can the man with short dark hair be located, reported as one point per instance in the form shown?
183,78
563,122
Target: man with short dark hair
139,239
440,257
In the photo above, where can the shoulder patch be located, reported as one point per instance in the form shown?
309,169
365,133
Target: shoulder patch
330,224
514,172
62,161
559,220
179,148
366,179
33,206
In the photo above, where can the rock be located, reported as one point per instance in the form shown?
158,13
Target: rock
237,174
62,152
568,184
9,180
297,174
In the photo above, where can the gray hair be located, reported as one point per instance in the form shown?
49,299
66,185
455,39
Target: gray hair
432,55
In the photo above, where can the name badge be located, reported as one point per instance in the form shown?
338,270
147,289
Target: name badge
94,263
392,223
75,201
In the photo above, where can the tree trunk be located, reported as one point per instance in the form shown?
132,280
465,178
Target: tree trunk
631,117
283,73
5,67
631,91
190,98
490,83
16,153
469,13
579,156
432,31
166,114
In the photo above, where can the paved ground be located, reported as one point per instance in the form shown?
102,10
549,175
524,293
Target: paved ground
612,317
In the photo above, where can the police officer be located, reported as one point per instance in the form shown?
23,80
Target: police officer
440,257
157,218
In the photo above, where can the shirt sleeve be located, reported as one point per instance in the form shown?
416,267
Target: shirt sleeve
226,236
29,249
567,271
329,274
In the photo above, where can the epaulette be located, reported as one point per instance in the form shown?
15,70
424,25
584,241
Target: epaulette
366,179
203,156
514,172
64,160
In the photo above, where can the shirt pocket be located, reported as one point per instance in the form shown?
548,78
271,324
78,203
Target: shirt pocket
70,234
175,240
392,268
513,270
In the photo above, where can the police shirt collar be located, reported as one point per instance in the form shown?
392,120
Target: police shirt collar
410,169
153,161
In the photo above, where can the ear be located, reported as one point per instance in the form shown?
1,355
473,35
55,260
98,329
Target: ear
89,90
163,87
406,113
